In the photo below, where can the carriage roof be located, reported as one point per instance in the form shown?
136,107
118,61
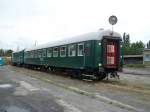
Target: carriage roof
19,51
98,35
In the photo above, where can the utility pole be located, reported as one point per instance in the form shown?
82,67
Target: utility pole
18,48
35,43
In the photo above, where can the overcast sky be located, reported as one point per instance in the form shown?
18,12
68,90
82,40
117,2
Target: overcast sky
22,22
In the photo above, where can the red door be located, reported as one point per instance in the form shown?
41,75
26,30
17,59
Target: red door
111,55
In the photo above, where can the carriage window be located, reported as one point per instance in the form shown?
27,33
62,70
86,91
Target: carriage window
35,54
55,52
39,53
63,51
80,49
49,52
44,53
31,54
26,55
72,50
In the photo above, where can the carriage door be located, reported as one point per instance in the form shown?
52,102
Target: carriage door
87,54
111,54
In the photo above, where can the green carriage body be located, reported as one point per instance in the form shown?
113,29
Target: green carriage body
93,58
18,58
75,62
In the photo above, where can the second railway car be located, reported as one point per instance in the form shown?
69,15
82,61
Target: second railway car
18,58
94,54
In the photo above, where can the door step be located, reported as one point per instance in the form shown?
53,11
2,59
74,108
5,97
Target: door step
88,77
88,80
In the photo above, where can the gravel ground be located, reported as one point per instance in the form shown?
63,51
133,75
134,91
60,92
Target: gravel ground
137,71
20,91
131,89
19,96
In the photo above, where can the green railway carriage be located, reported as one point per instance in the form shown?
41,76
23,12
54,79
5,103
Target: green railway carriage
18,58
97,53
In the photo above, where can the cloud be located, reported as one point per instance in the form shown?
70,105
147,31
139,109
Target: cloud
22,22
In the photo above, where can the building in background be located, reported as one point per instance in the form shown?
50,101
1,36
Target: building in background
133,59
146,57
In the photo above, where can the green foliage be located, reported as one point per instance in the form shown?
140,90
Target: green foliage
135,48
126,50
126,39
5,52
8,52
148,45
1,52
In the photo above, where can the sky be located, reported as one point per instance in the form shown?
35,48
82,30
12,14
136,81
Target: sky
24,22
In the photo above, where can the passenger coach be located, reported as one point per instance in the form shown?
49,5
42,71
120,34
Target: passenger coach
92,55
18,58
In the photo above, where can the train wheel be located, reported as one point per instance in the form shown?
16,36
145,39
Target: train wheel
102,75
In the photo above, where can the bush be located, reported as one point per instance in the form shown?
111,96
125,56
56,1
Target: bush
7,60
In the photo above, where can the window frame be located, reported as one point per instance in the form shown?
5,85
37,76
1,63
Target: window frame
32,54
55,52
146,57
28,54
49,49
40,53
25,55
82,49
63,51
69,46
44,54
35,54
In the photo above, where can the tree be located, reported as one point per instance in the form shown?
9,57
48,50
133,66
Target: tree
8,52
132,48
1,52
148,45
126,39
137,47
126,43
